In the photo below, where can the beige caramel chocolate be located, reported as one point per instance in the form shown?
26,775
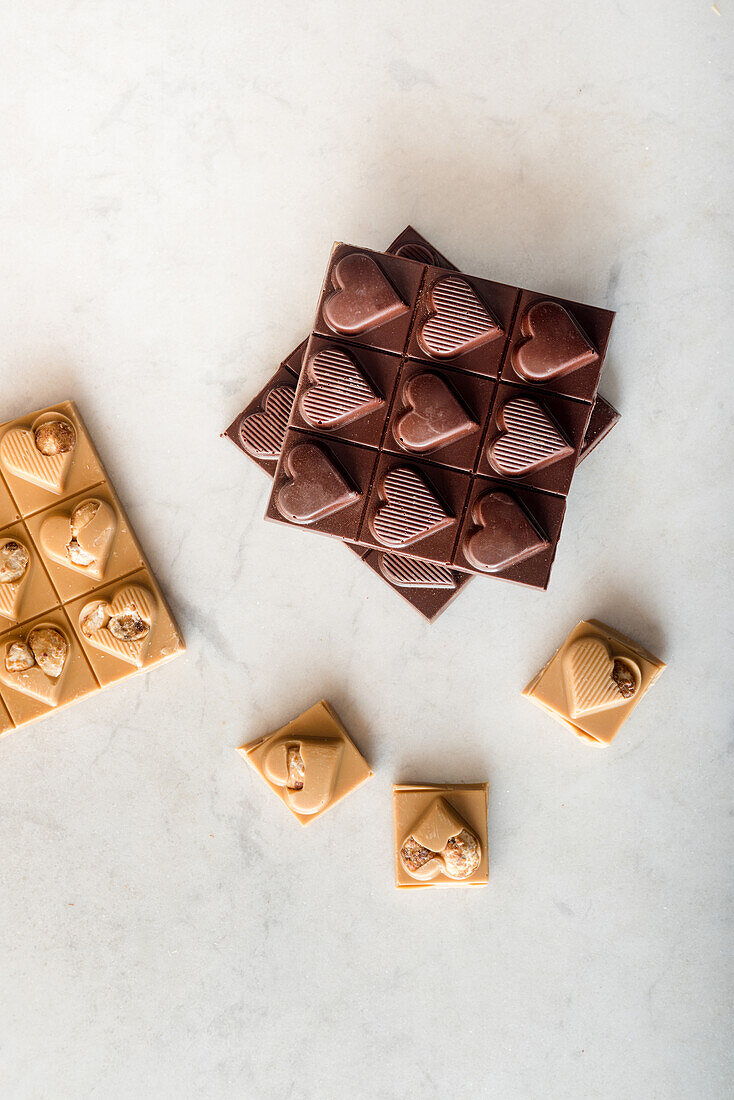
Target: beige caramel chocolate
594,681
79,607
63,464
86,542
311,763
31,593
440,835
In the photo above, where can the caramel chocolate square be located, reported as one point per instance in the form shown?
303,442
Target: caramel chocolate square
440,835
462,322
85,541
8,512
125,627
368,298
311,763
25,589
594,681
47,456
42,668
345,390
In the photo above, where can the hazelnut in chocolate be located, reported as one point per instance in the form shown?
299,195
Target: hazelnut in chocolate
310,763
594,681
440,835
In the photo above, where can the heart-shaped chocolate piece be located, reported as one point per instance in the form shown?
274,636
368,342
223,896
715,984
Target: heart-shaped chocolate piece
81,540
307,770
262,432
440,842
459,320
316,487
363,296
15,568
123,626
435,418
410,573
529,439
554,345
596,679
20,456
505,536
339,393
36,663
412,511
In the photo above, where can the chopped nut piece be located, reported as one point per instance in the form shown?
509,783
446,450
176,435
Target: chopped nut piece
14,559
624,678
461,855
296,768
93,618
78,555
50,649
128,627
414,855
18,657
83,514
55,438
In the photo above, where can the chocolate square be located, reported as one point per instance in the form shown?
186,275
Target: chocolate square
259,430
425,585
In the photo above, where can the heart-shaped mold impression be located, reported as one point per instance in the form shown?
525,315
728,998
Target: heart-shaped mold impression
262,432
316,487
363,296
123,626
435,418
306,769
410,573
35,664
21,453
459,320
554,345
411,513
505,535
529,439
596,679
340,393
15,568
419,253
82,539
440,842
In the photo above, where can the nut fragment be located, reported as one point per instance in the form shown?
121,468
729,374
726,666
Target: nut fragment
296,768
461,855
14,559
128,626
93,618
83,514
50,649
414,855
55,438
624,678
18,657
78,555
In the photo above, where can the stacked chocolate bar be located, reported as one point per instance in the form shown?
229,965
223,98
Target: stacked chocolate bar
432,421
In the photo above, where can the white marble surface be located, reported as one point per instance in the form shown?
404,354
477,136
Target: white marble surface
172,174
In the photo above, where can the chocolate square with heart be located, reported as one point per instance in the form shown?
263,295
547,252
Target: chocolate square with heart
594,681
462,322
415,508
411,245
321,484
425,585
345,391
259,430
25,589
557,345
440,835
509,532
439,414
368,298
533,438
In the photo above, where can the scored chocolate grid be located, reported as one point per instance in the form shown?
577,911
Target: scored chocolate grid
409,460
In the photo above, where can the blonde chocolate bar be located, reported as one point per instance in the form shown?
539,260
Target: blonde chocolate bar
440,835
311,763
79,608
594,681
